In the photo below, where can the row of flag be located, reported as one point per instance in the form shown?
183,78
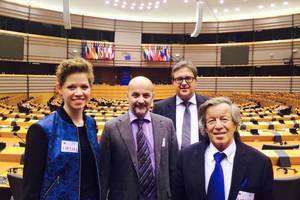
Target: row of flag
98,51
156,53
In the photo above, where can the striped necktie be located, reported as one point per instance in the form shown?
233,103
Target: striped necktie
145,170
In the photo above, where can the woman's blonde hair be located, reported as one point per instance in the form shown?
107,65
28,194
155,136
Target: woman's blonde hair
74,65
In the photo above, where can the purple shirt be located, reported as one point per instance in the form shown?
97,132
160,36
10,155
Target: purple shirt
148,132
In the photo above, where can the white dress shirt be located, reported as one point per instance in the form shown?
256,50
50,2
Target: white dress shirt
226,163
180,108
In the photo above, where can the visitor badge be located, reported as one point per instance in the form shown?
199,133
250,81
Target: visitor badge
245,196
69,146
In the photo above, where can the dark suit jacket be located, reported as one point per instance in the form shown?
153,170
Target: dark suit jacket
167,108
252,172
119,160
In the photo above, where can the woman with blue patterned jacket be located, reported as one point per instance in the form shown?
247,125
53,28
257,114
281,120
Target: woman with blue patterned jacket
62,154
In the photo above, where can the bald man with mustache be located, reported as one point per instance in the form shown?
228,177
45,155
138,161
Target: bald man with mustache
138,150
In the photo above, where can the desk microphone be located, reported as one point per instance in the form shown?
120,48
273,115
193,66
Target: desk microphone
14,131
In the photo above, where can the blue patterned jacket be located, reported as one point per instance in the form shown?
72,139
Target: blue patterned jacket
62,174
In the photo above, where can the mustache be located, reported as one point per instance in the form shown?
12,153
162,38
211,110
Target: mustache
138,104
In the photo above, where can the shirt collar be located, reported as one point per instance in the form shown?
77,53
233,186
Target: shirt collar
192,100
229,151
132,116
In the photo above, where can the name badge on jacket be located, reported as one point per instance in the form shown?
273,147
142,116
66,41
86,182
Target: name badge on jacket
69,146
245,196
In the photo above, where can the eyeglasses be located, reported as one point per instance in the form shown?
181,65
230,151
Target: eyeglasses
188,79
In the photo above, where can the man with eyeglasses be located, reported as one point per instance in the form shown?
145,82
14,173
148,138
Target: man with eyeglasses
183,107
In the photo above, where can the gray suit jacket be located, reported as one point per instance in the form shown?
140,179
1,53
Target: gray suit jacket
119,160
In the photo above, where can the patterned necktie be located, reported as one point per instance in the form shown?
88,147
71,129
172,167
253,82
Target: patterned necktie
215,189
145,170
186,125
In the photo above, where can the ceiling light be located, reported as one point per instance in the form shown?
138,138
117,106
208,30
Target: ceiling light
133,4
237,9
221,1
226,10
148,7
186,1
124,2
156,6
150,3
116,1
142,4
141,8
260,7
115,4
157,2
132,7
107,2
285,3
272,5
123,6
164,1
215,10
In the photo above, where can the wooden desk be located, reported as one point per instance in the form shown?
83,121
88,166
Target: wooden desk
294,155
268,135
7,132
258,144
4,166
280,173
10,142
12,154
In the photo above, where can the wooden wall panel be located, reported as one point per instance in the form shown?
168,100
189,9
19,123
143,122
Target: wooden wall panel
272,53
177,51
201,55
46,16
268,84
13,10
297,20
44,83
76,20
39,83
241,84
296,84
273,22
13,83
209,27
147,64
178,28
47,49
234,26
206,84
128,38
98,23
296,53
128,26
74,48
102,63
133,50
152,27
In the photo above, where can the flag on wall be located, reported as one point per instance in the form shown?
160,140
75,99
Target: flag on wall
98,51
156,53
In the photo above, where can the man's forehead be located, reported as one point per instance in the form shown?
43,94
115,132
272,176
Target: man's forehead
139,89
